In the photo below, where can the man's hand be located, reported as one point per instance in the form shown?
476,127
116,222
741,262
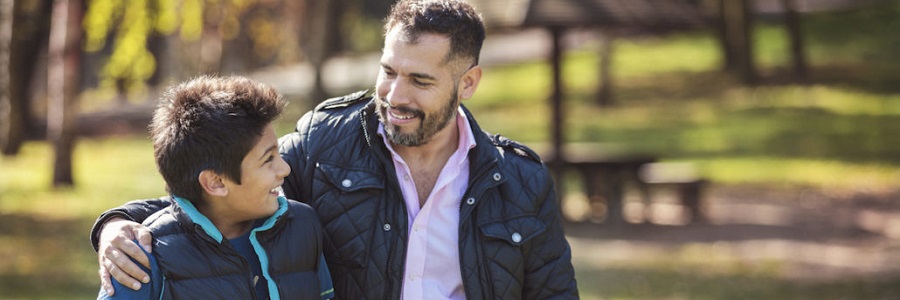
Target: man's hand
117,248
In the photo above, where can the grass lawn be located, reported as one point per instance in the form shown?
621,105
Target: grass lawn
834,133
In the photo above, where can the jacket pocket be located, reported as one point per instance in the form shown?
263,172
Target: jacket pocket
514,231
348,180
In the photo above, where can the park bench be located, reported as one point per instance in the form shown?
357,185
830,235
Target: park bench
682,179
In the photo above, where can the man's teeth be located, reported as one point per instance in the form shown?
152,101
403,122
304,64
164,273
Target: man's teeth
401,117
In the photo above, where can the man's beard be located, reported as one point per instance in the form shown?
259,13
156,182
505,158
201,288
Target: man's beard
429,125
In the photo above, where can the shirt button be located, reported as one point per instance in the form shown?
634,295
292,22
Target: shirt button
347,182
516,237
387,227
406,177
497,177
470,201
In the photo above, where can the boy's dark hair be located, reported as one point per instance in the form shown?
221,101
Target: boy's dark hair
209,123
453,18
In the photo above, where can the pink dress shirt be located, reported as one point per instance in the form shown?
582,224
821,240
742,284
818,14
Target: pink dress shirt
432,254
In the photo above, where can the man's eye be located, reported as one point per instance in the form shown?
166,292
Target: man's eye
421,83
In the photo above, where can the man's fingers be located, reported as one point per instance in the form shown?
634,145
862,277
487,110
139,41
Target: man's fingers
122,277
129,248
123,263
104,281
144,239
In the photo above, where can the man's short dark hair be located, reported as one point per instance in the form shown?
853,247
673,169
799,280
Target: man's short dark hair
453,18
209,123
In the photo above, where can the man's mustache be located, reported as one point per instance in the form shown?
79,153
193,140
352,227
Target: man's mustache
402,109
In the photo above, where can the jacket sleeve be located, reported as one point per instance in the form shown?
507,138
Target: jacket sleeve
549,273
151,290
292,150
136,211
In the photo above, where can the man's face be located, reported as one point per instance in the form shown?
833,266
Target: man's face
416,91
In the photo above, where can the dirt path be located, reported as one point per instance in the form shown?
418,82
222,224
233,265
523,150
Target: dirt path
792,234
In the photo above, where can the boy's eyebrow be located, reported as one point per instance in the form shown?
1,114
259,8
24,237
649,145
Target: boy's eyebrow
266,153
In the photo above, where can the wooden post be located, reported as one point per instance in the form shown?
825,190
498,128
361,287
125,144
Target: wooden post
557,161
738,21
604,89
556,100
793,26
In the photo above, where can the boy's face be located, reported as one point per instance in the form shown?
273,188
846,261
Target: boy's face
262,173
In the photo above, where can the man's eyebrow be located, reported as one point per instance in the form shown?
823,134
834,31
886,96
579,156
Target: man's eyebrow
422,76
415,75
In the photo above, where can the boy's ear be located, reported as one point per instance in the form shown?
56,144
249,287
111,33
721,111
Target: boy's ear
212,183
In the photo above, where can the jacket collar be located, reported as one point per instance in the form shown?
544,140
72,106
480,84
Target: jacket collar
188,214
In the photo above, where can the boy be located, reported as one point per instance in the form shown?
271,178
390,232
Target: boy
230,234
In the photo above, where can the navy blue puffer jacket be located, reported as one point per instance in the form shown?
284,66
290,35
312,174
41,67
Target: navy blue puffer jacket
511,241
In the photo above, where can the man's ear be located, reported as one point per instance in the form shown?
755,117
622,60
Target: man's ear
468,83
212,183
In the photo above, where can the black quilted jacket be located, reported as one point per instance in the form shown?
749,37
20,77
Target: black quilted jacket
511,241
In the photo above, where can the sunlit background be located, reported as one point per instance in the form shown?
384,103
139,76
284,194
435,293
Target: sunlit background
778,118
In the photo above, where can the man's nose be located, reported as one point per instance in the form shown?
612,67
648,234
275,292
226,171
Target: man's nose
398,94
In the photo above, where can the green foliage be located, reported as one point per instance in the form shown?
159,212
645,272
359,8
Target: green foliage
129,25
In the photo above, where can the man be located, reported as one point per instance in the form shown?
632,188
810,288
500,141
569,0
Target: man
416,201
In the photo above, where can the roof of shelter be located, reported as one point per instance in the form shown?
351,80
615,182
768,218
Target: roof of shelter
643,14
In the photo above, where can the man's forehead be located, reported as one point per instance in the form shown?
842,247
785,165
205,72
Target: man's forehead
427,49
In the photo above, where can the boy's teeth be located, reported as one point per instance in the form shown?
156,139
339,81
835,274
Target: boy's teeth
277,190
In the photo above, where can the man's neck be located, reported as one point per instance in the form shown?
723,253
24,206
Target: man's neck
433,153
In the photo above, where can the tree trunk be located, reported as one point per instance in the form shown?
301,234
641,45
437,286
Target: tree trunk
793,26
64,53
319,37
6,133
30,29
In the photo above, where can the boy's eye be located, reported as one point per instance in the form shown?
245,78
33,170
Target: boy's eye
270,158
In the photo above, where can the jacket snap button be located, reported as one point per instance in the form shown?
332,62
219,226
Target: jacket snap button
347,183
496,176
387,227
516,237
470,201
